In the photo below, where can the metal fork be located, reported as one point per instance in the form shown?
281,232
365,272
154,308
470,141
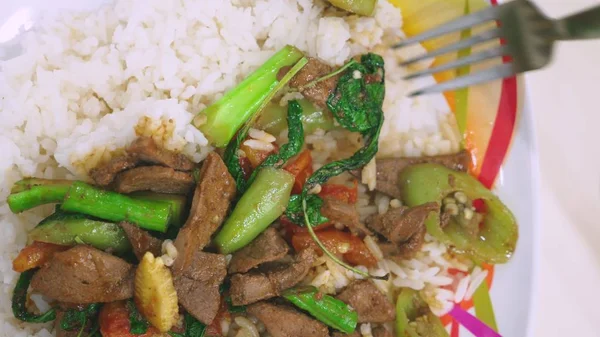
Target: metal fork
527,39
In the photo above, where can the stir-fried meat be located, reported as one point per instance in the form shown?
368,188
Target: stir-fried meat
198,285
381,331
141,241
148,151
271,280
319,92
405,250
371,304
267,247
389,169
356,333
84,274
213,194
398,225
283,321
105,174
346,214
154,178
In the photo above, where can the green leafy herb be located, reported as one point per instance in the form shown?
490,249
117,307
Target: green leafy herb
292,147
193,327
138,324
356,103
295,214
75,319
287,151
19,300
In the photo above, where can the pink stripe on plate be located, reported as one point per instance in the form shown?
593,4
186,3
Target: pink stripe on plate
472,323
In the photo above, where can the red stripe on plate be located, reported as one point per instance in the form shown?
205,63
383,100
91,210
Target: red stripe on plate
454,329
503,129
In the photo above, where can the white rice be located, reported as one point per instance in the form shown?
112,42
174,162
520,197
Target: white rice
87,84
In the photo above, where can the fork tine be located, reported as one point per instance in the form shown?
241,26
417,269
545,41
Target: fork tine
462,44
498,72
475,58
467,21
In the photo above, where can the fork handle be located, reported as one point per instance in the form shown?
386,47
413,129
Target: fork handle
580,26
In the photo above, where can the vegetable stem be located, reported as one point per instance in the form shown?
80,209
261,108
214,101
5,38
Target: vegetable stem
325,308
32,192
70,229
231,153
19,300
220,121
86,199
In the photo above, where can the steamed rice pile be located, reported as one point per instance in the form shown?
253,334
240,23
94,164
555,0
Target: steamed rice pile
87,84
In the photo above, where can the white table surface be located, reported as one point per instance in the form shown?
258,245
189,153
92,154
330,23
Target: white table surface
565,101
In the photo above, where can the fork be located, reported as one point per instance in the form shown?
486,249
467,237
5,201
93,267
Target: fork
526,34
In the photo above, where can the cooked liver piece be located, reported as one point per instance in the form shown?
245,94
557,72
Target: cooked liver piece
198,285
267,247
154,178
389,169
345,214
398,225
141,241
381,331
406,250
213,194
84,274
103,175
146,149
283,321
256,286
371,305
318,93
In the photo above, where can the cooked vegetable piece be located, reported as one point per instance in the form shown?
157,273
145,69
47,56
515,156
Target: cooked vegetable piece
86,199
154,293
301,168
340,192
35,255
273,118
33,192
220,121
276,160
356,104
115,321
295,213
259,206
291,148
325,308
495,239
360,7
231,155
351,247
178,204
19,301
414,319
69,229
